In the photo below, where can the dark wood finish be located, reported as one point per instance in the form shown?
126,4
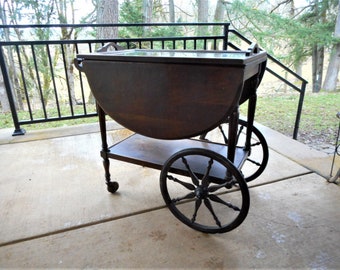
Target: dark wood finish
153,153
102,125
170,97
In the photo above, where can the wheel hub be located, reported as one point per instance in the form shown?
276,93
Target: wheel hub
201,192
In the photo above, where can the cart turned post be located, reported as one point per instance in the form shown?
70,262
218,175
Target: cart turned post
112,187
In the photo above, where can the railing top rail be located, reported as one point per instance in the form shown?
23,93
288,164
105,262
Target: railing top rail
110,25
287,69
78,41
270,57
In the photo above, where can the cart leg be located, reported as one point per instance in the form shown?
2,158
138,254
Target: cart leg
233,125
111,186
250,120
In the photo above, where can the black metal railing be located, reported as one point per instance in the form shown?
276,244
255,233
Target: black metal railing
42,85
299,84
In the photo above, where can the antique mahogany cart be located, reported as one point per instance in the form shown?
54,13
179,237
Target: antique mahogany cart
184,109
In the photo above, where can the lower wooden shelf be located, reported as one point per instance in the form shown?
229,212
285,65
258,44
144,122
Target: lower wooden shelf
153,153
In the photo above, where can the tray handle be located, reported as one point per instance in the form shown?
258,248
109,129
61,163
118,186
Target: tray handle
78,62
253,49
111,46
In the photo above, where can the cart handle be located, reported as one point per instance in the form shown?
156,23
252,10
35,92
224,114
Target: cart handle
78,62
253,49
109,46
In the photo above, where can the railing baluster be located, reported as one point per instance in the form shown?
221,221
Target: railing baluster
7,83
24,82
38,81
53,79
81,85
67,80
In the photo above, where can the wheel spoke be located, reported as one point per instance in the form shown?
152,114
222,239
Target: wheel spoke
191,173
254,162
225,138
205,178
185,184
217,199
214,188
209,206
231,183
197,206
255,144
238,134
188,196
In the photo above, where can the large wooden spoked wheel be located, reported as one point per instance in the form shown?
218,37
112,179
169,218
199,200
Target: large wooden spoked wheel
257,160
204,190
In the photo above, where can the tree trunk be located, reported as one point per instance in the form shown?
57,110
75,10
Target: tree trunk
219,11
66,34
4,103
331,79
147,15
202,15
318,50
219,17
12,72
299,62
317,66
172,11
107,12
202,10
69,56
298,68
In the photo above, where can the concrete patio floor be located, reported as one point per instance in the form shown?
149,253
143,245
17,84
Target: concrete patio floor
55,211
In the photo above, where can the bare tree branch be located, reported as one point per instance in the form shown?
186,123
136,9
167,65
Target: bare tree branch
280,4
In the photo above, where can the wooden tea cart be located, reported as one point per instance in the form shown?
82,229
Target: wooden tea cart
184,109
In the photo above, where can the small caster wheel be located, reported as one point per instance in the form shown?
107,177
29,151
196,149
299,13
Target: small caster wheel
112,187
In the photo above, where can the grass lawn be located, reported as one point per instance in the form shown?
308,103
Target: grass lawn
318,124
